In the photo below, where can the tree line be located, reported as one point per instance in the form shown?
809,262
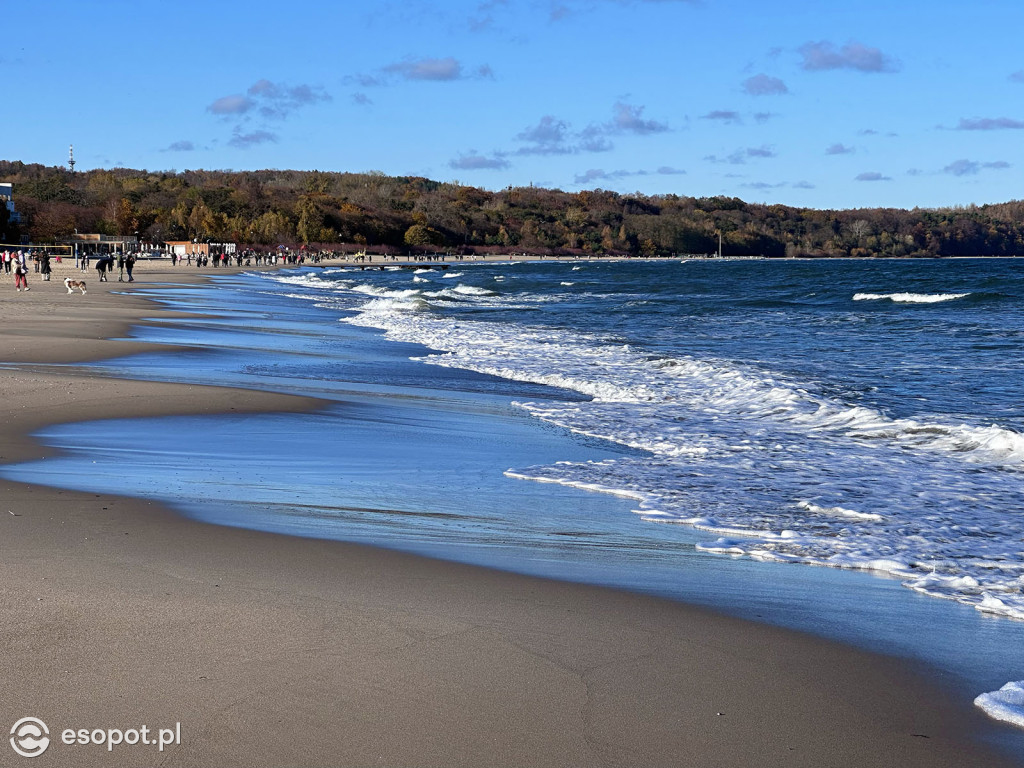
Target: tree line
373,211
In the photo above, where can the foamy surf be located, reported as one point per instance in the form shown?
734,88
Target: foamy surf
1006,704
764,463
910,298
711,417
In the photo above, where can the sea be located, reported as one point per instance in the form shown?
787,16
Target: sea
835,446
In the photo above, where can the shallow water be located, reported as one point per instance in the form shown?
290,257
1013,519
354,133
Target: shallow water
859,415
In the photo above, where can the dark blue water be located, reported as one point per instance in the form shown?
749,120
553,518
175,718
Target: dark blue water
628,424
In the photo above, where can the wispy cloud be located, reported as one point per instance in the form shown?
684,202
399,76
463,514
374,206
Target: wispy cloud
268,100
723,115
740,156
423,69
764,185
553,136
627,119
180,146
871,176
823,55
278,101
361,99
241,140
473,161
365,81
839,149
263,101
236,104
1017,77
989,124
599,174
427,69
972,167
764,85
549,137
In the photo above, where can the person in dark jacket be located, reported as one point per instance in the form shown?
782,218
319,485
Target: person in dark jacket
102,264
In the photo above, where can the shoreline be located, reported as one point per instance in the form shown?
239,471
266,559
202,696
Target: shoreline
273,650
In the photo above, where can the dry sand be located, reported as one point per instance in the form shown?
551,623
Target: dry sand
279,651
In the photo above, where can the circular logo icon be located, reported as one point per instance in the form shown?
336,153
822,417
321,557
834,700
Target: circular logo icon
30,737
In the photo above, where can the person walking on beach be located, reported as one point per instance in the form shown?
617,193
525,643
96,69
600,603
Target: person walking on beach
129,264
120,268
44,266
20,275
101,268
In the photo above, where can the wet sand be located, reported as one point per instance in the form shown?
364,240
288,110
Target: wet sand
278,651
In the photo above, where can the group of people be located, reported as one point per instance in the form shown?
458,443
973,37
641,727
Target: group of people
125,264
247,257
16,263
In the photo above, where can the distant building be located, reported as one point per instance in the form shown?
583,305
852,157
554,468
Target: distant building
187,248
95,243
7,197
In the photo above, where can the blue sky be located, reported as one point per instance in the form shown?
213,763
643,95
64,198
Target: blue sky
821,104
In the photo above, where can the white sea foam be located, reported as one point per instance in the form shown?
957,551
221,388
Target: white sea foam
472,290
450,275
768,467
713,426
459,293
838,512
307,278
376,290
381,307
910,298
1006,704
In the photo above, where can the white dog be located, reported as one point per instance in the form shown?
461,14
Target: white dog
72,284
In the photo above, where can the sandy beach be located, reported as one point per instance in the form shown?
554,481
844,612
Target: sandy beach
278,651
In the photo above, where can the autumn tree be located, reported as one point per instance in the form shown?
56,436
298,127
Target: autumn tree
420,234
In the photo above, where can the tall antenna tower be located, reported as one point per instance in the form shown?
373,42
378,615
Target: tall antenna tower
71,158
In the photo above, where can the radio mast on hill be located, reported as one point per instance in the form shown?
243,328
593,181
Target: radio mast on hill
71,158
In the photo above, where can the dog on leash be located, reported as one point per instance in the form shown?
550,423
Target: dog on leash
71,285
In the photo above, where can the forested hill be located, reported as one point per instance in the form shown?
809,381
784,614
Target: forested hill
377,211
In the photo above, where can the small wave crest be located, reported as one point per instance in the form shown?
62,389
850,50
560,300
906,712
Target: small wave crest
1006,704
385,306
910,298
460,293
